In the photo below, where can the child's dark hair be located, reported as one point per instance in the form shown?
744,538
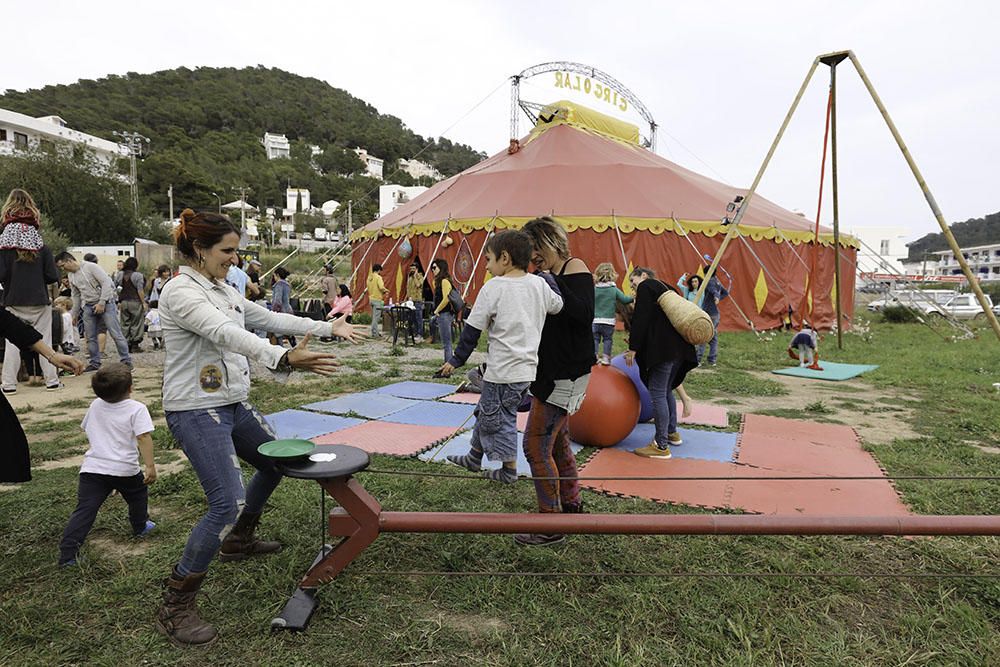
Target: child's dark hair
201,230
112,382
516,244
282,272
344,290
690,282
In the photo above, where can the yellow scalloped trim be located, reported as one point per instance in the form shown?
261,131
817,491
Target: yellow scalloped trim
602,224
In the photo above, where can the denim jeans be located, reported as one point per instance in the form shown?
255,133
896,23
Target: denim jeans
661,386
212,439
605,332
444,321
495,432
110,321
377,307
546,446
418,318
92,491
713,345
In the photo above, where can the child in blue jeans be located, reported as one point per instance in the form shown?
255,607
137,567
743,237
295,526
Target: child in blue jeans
512,306
119,430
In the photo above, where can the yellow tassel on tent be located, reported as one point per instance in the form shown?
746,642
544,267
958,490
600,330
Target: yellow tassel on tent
760,291
399,281
833,294
626,283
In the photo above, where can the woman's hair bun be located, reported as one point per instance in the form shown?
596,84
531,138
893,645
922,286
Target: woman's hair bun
187,215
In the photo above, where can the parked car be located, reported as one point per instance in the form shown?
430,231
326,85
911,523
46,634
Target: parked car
307,237
916,298
961,307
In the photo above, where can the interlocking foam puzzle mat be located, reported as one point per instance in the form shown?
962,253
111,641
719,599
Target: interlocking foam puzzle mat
430,421
831,371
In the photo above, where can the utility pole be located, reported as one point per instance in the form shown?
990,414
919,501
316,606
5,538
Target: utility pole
350,224
136,145
170,195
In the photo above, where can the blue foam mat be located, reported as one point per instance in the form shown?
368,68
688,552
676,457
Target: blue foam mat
460,445
697,444
434,413
370,405
306,425
420,390
831,371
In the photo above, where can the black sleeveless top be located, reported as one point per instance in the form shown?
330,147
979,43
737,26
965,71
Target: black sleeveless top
566,350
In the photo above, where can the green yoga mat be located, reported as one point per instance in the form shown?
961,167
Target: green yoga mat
831,371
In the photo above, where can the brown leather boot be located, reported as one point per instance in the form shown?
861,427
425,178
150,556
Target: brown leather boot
241,543
178,617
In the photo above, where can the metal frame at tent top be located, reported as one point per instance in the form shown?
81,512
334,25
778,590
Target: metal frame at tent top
530,109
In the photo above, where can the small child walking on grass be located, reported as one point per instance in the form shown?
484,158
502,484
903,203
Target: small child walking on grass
116,428
512,306
153,326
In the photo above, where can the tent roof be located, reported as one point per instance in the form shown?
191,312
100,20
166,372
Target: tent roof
584,178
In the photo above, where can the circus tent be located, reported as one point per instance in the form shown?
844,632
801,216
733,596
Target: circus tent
620,203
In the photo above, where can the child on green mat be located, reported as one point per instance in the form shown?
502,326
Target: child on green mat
512,306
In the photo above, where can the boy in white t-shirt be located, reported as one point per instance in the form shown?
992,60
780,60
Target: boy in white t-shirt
116,427
512,306
153,327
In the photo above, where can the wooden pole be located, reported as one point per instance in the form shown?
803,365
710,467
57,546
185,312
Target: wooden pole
832,61
745,204
952,243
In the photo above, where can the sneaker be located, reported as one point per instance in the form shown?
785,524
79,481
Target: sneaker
54,387
653,451
574,508
91,369
674,438
147,530
538,539
69,563
9,390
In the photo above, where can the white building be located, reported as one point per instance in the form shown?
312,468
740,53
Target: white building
292,198
883,248
21,132
373,165
391,197
276,146
418,169
984,260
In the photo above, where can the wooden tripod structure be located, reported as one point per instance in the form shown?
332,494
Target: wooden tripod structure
832,60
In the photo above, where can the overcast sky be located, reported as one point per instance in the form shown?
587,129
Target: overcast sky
718,77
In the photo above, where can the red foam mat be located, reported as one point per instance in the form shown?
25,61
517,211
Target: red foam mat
804,431
808,458
706,415
377,437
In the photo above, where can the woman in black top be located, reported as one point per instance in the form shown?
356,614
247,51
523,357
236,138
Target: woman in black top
565,357
664,358
15,465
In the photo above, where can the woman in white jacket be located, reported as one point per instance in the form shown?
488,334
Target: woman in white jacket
206,383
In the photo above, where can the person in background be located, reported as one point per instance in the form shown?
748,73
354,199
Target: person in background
26,270
119,271
377,294
94,301
688,286
254,288
342,304
70,343
328,285
442,307
415,293
64,288
237,278
427,294
160,279
102,331
714,293
281,292
132,304
153,326
664,359
15,461
606,296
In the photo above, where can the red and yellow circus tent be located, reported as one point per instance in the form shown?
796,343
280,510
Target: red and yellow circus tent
622,204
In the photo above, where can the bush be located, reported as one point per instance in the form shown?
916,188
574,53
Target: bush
899,314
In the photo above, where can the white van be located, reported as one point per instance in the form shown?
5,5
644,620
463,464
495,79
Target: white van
917,298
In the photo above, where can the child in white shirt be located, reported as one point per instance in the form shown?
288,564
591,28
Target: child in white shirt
512,306
116,427
153,327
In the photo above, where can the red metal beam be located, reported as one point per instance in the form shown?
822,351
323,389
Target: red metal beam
684,524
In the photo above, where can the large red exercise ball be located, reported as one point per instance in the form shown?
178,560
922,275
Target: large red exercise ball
609,412
646,410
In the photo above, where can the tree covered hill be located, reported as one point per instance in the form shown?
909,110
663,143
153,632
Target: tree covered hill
972,232
205,127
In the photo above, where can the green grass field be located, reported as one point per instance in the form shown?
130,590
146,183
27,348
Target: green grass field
586,611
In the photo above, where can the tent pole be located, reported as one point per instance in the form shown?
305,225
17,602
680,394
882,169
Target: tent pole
475,265
621,246
952,243
745,204
384,261
362,262
444,232
832,61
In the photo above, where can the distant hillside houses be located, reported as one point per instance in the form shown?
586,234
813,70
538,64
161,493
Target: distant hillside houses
19,132
373,165
418,169
391,197
276,146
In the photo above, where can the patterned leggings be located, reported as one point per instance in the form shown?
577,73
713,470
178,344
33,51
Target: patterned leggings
546,446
